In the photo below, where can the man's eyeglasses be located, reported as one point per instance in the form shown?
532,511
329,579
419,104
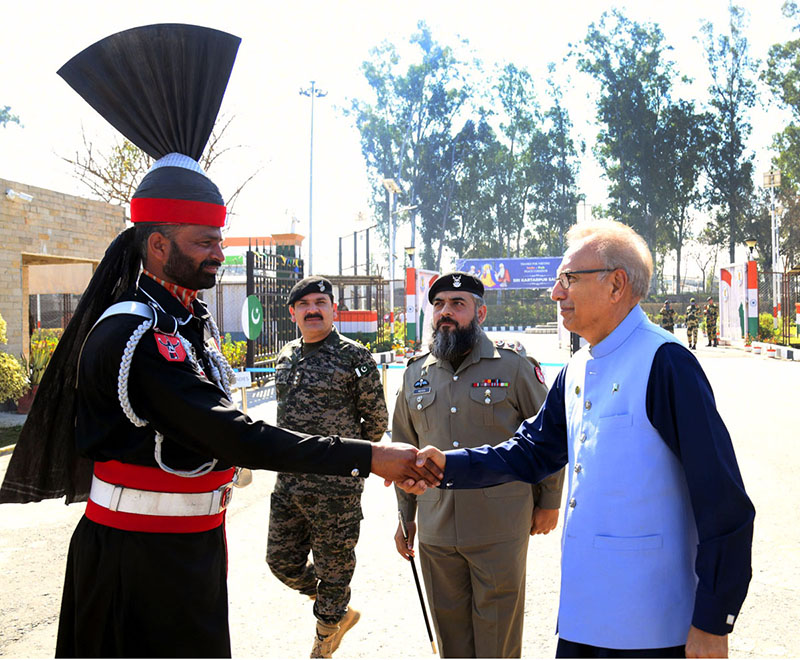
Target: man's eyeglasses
564,278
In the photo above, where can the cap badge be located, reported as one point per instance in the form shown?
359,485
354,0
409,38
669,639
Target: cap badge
321,285
456,281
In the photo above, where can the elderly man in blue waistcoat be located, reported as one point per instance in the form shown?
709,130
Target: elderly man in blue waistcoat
658,527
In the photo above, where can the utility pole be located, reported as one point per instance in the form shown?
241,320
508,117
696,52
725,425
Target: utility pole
772,180
313,92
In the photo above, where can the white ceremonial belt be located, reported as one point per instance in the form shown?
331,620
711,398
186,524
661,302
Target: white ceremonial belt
154,503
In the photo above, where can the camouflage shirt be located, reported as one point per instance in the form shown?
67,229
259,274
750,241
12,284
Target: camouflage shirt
711,311
334,390
667,317
692,312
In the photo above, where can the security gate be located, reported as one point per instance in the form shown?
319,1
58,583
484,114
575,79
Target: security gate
270,277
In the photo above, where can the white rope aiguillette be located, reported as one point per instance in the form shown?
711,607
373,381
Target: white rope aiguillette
218,364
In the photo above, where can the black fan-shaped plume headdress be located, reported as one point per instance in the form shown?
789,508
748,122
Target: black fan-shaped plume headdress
161,86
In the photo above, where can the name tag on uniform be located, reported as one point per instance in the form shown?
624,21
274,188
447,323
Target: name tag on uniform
422,390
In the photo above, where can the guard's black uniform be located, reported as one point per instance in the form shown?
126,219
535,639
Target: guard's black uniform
145,594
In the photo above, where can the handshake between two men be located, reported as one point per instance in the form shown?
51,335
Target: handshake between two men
411,469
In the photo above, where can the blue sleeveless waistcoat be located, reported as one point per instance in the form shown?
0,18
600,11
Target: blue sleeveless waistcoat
630,539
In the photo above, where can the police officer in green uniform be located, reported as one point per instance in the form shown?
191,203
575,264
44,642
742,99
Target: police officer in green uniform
469,391
711,313
667,317
692,321
323,381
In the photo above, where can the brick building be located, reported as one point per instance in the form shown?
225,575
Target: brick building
50,243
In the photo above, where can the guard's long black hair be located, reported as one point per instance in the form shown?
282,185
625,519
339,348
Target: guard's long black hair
45,463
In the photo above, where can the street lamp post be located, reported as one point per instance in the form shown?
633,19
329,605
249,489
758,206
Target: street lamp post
751,244
313,92
772,180
410,250
392,188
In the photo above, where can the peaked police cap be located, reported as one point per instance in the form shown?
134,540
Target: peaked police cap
456,281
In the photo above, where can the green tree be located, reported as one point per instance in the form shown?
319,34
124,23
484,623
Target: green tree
470,213
554,196
683,144
406,127
520,128
732,95
628,60
483,190
782,75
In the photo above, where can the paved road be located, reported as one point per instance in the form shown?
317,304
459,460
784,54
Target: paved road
755,395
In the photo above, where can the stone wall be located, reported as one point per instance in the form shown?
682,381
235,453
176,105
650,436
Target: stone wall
52,228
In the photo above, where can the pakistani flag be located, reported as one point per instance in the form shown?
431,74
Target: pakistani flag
252,317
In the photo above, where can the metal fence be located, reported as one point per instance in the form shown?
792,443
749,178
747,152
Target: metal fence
269,277
51,310
780,293
352,292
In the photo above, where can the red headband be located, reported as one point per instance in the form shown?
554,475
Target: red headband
177,212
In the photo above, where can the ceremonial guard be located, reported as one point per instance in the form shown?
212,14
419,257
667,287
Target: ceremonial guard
667,317
692,321
473,544
711,313
325,383
134,411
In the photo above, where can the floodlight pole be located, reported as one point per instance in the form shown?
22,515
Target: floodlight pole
313,92
772,180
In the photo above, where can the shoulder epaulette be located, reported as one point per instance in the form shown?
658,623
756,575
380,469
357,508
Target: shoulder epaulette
514,346
414,358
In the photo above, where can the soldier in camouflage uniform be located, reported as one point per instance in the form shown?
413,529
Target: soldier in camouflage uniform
692,320
711,312
667,317
326,384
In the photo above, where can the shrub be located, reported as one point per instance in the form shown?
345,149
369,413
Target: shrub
13,382
43,345
766,327
235,352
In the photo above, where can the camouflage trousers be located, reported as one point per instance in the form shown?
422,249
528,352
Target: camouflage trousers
691,333
305,520
711,332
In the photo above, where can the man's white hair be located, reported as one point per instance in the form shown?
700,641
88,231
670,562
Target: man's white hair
618,246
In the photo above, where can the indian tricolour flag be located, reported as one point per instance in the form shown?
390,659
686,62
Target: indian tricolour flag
752,299
418,309
738,300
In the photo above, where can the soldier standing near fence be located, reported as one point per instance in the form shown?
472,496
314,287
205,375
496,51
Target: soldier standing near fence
323,381
711,313
692,320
